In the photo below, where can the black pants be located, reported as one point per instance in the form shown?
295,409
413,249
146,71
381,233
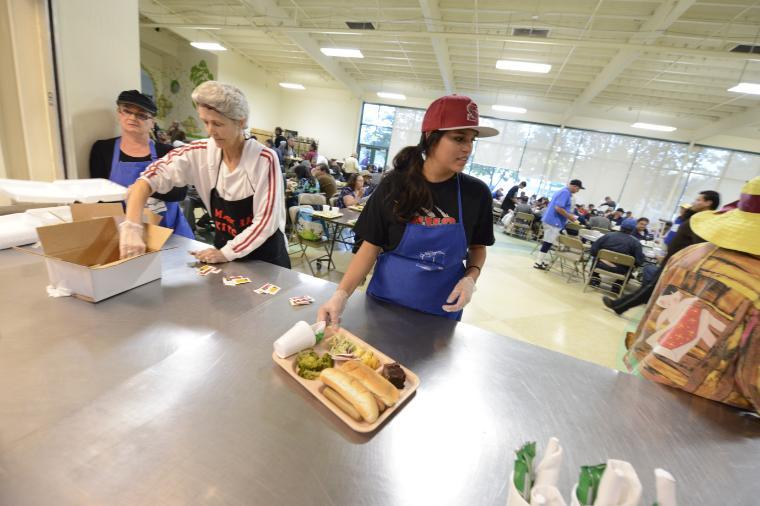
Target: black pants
640,296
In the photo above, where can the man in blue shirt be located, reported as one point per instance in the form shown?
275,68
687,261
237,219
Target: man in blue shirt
555,218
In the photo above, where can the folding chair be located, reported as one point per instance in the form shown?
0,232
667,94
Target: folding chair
571,251
522,225
572,228
323,242
600,229
605,276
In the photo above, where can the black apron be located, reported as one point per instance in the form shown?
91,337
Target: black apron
233,216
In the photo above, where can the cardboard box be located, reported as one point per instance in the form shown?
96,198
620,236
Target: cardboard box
83,256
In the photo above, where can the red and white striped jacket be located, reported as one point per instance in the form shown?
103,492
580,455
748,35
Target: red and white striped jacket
198,163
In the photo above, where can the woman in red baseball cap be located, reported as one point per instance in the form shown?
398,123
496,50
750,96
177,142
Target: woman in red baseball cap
427,225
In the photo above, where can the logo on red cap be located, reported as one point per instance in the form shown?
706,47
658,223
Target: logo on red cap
472,112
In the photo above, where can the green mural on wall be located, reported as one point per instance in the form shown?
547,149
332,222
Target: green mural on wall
164,106
200,73
190,127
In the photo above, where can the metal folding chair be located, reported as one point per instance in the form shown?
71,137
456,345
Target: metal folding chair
604,276
572,253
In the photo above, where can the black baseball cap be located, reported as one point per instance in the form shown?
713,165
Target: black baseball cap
577,182
142,101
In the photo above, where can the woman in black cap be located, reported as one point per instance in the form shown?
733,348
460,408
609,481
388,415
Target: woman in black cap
123,158
238,179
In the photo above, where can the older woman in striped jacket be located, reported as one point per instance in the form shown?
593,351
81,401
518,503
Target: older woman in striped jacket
238,179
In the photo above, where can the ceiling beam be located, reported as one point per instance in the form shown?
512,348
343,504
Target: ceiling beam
433,21
664,16
482,37
749,117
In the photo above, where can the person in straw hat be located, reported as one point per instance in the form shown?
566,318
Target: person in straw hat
701,329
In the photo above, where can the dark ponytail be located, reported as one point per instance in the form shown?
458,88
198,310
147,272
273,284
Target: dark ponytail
409,190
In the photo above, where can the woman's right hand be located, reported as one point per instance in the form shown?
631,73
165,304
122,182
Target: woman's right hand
131,241
332,310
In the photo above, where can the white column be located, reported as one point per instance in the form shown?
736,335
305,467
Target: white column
98,53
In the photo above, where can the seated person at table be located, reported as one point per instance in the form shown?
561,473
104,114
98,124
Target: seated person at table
683,209
617,216
640,232
238,179
522,206
705,201
619,242
350,165
122,159
498,194
326,181
353,193
598,221
700,331
306,184
368,186
312,153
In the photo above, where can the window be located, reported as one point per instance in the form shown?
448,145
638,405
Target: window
649,177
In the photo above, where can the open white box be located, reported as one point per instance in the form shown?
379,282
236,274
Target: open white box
83,256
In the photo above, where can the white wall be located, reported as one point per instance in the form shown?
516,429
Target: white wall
263,94
98,48
330,116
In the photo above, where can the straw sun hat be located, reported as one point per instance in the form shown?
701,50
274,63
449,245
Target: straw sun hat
737,229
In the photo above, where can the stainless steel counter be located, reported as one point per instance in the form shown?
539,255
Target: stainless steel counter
167,395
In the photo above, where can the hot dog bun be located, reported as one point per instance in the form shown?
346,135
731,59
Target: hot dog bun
353,391
342,403
379,386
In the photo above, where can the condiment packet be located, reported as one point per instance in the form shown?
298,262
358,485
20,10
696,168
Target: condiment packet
268,289
303,300
205,270
235,280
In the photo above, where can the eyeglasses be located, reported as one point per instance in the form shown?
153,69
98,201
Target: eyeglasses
137,114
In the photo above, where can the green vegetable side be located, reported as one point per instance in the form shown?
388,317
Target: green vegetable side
309,364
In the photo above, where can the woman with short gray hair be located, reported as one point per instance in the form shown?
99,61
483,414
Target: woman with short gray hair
237,178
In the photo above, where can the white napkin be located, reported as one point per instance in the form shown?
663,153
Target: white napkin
514,498
58,291
547,471
619,486
666,488
547,475
546,495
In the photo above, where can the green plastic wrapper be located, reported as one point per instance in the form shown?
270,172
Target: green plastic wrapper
588,483
523,473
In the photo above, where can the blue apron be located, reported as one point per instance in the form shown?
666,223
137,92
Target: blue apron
424,268
126,173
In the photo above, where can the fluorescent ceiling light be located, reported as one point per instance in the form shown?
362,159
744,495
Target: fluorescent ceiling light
509,108
523,66
657,128
292,86
750,88
393,96
208,46
344,53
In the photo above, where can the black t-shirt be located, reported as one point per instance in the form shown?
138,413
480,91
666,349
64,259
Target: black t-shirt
278,140
512,193
378,225
101,156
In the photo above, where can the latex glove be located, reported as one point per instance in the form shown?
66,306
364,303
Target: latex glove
131,241
460,296
210,256
332,310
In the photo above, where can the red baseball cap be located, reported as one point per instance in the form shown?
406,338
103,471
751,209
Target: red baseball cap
455,112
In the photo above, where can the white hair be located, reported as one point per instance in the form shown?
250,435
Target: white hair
223,98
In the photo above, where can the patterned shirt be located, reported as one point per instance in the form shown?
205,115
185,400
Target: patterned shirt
701,329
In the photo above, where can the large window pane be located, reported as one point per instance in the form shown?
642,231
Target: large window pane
743,166
375,136
711,161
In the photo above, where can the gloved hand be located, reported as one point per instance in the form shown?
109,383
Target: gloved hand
460,296
131,241
210,256
332,310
